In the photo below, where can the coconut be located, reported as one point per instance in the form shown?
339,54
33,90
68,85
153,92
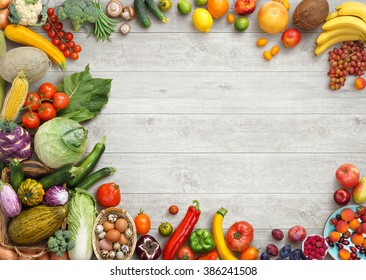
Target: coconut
309,14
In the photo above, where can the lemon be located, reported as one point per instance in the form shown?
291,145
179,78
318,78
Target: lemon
202,20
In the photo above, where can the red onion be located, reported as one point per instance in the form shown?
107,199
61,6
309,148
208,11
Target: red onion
56,196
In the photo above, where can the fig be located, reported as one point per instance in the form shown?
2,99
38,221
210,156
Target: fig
264,256
272,250
277,234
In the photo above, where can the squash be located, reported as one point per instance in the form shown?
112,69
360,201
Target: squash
36,223
30,192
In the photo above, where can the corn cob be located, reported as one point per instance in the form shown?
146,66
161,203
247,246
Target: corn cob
15,98
2,82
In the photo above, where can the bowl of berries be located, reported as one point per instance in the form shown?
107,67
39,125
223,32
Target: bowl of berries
314,247
345,233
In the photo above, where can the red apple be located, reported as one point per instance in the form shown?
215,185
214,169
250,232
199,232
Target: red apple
348,175
291,37
297,234
342,196
245,7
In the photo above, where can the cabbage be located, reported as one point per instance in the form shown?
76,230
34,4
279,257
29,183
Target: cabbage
60,141
80,220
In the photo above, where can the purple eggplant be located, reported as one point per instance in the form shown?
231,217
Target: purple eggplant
9,201
147,248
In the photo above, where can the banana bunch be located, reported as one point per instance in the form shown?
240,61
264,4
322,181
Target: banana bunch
347,23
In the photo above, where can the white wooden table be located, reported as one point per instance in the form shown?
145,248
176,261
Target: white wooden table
204,116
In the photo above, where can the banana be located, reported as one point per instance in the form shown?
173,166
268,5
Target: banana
354,10
342,38
328,35
345,21
357,5
331,16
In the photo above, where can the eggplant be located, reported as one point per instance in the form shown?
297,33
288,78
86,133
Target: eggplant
147,248
9,201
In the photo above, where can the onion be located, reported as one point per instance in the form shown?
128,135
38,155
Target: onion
56,196
4,4
4,21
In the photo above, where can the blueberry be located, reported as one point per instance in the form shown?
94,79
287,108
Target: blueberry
264,256
296,255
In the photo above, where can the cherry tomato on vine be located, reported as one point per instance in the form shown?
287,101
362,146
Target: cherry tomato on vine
142,222
50,11
77,48
58,25
33,100
74,56
47,90
53,18
69,36
31,120
52,33
70,44
61,33
62,47
46,112
47,26
67,53
61,100
173,209
56,41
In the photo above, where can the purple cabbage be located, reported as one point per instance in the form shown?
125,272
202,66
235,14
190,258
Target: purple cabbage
15,142
56,196
9,201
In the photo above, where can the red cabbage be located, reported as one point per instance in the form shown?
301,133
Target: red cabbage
56,196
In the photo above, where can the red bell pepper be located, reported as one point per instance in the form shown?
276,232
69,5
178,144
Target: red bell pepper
213,255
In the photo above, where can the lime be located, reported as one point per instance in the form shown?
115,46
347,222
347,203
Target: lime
241,24
201,2
184,7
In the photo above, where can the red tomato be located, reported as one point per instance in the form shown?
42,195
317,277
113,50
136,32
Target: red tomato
69,36
46,112
173,209
348,175
67,52
77,48
108,195
239,236
185,253
31,120
33,100
62,47
61,100
74,56
50,11
47,90
142,222
52,33
56,41
71,44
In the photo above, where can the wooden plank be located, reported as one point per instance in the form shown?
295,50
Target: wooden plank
227,174
231,133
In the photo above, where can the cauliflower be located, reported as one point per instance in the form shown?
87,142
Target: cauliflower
28,11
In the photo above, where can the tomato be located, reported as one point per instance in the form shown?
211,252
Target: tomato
33,100
239,236
62,47
165,229
52,33
31,120
185,253
47,26
46,112
69,36
74,56
70,44
53,18
61,100
249,254
59,25
47,90
56,41
50,11
61,33
142,222
108,195
67,53
173,209
77,48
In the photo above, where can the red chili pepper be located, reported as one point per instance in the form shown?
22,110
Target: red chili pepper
182,232
213,255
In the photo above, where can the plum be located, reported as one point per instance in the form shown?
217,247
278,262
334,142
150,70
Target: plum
264,256
285,252
297,234
296,255
277,234
272,250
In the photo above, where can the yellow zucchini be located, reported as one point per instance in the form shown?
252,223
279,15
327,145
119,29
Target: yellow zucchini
23,35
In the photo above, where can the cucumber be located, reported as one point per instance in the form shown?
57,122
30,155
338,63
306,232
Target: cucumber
95,177
89,163
60,176
16,174
154,9
142,13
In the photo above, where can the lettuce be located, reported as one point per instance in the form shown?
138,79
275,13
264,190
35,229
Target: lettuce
80,220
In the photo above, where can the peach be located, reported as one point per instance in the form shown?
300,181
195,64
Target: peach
342,226
344,254
334,236
360,83
347,214
354,224
357,239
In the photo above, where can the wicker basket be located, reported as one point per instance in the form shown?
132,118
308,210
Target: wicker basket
23,251
102,217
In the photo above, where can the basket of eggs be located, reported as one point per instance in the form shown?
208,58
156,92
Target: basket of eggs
114,235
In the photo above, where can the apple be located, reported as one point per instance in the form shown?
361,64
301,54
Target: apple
348,175
297,234
291,37
342,196
245,7
359,192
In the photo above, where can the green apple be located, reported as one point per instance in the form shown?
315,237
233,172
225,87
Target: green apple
359,192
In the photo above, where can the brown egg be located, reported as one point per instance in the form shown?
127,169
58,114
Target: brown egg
123,240
107,226
113,235
121,224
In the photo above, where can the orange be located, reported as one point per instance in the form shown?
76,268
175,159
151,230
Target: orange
217,8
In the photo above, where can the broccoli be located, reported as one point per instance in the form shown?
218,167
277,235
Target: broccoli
60,242
79,12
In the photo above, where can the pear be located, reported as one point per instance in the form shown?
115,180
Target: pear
359,192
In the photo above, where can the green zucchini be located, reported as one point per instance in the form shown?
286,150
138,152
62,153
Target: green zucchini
154,9
142,13
95,177
89,163
60,176
16,174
